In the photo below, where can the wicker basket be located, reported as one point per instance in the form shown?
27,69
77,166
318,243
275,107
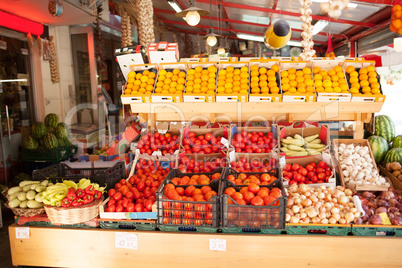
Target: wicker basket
73,215
26,212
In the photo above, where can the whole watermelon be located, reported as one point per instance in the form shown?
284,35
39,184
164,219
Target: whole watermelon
397,142
393,155
61,132
30,143
50,130
38,130
61,142
51,120
379,147
384,127
50,141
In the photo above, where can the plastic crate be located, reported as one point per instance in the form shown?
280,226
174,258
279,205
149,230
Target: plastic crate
252,219
376,230
174,215
108,173
43,221
128,225
48,155
214,183
318,229
272,172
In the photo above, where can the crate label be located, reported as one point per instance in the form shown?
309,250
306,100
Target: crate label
225,142
126,240
384,219
282,161
22,232
232,156
217,244
380,233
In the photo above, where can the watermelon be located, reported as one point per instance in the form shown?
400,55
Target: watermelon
50,141
68,142
50,130
61,142
51,120
397,143
30,143
379,147
38,130
384,127
393,155
61,132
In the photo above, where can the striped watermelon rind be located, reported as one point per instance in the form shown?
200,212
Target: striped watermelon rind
384,127
50,141
38,130
397,142
379,147
61,132
51,120
30,143
393,155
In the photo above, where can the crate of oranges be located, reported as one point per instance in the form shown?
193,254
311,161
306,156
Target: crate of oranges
233,82
170,83
264,81
364,82
330,80
140,83
201,82
297,82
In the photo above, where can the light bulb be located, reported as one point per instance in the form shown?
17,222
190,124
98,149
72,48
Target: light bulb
211,41
398,44
221,50
193,18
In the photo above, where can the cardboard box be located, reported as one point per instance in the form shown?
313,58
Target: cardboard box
266,97
128,56
360,142
232,97
197,97
265,130
169,97
296,97
323,131
130,134
163,52
89,134
264,158
218,59
359,63
140,97
304,161
328,65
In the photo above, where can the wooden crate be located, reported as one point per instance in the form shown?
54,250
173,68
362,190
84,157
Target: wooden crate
197,97
397,183
169,97
361,142
266,97
232,97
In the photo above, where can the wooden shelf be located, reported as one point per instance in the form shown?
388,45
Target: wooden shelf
360,112
57,247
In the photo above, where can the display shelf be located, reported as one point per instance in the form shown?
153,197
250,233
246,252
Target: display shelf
57,247
257,111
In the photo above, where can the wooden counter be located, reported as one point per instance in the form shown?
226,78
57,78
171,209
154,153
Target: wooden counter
57,247
360,112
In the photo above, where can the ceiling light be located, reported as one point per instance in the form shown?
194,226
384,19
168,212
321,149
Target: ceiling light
193,14
212,38
221,50
250,37
319,26
294,44
175,6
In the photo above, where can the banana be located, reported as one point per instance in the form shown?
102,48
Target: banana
284,149
316,146
316,141
296,142
295,148
311,138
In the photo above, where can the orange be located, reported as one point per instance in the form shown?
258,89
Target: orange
212,69
175,78
375,85
255,90
309,82
292,90
373,80
270,72
318,77
299,79
229,80
205,78
129,86
204,83
363,71
212,75
198,75
166,87
138,76
254,67
263,70
169,74
331,72
350,69
292,76
344,87
327,83
299,73
318,83
323,73
197,86
370,68
292,70
340,74
337,89
263,77
284,74
191,71
142,90
285,80
131,74
302,90
131,80
372,74
168,81
366,89
182,75
397,23
363,77
306,70
272,78
293,83
338,69
254,73
198,69
301,85
244,75
149,88
327,78
151,75
220,89
307,76
335,84
190,78
204,89
136,88
230,69
221,78
146,72
356,85
316,70
176,71
334,78
375,91
266,90
275,68
285,87
310,89
180,88
342,81
211,86
254,79
235,83
244,81
254,84
236,88
354,74
353,80
151,81
319,89
204,72
222,72
229,75
272,84
181,81
244,69
158,90
396,8
237,72
364,83
244,87
274,90
236,78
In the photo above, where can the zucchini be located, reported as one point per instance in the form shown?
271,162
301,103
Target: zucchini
44,183
311,138
316,141
34,204
40,188
31,195
39,198
296,142
26,188
295,148
14,190
13,196
25,183
22,196
14,203
24,204
316,146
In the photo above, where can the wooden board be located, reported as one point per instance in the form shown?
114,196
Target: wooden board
57,247
257,111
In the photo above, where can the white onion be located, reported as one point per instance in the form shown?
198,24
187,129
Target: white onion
302,197
315,220
306,202
311,212
322,215
313,198
297,201
357,215
321,196
303,188
324,221
305,220
294,219
331,220
353,210
328,214
342,221
336,216
323,209
288,216
302,215
335,211
328,205
349,217
348,192
296,209
343,200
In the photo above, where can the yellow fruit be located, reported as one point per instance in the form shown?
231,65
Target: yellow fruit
263,84
191,71
221,78
301,85
364,83
275,68
353,80
198,69
335,84
255,90
254,79
196,91
309,88
340,74
299,79
368,93
285,81
190,78
254,73
370,68
284,74
350,69
204,89
166,87
168,81
173,84
146,72
308,82
236,83
318,77
135,88
142,90
265,90
329,89
244,69
306,70
274,90
220,89
181,81
285,87
222,72
254,84
137,82
236,88
354,74
244,87
354,90
212,69
254,67
244,81
131,80
299,73
228,85
272,84
323,73
162,72
271,78
158,90
243,91
292,90
138,76
212,75
337,89
366,89
319,89
197,75
316,70
228,91
263,70
127,91
237,72
143,85
375,85
169,74
230,69
344,87
172,90
338,69
229,80
327,77
180,87
307,76
129,86
373,80
334,78
363,77
292,77
363,71
342,81
189,89
229,75
131,74
160,84
151,81
293,83
327,83
356,85
264,77
372,74
302,90
318,83
375,91
210,92
292,70
205,72
244,75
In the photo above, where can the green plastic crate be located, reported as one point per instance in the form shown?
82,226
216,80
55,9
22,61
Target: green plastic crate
317,229
131,225
49,224
251,231
166,228
48,155
375,230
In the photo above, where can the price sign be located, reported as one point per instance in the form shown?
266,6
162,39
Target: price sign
126,240
225,142
22,232
217,244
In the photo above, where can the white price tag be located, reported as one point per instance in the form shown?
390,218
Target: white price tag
126,240
22,232
225,142
232,156
282,161
217,244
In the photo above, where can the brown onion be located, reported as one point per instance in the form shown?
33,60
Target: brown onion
375,219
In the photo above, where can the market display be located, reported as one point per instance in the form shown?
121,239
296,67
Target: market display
254,142
202,144
299,146
329,81
312,173
165,143
297,81
363,81
29,194
263,80
201,80
234,80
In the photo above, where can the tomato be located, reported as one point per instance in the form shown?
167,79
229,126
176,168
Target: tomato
314,179
125,202
148,204
118,196
310,175
321,176
288,167
139,207
313,164
111,208
229,191
111,192
111,202
123,182
302,171
297,177
257,201
247,196
119,208
322,164
268,200
328,173
254,188
130,207
309,168
295,167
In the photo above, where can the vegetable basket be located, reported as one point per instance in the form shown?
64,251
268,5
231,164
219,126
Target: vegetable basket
73,215
26,212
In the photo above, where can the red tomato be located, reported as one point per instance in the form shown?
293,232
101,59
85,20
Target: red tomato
111,208
139,207
125,202
288,167
268,200
321,176
309,168
123,182
247,196
314,179
257,201
148,204
130,207
117,186
111,202
117,196
254,188
302,171
310,175
111,192
322,164
297,177
295,167
229,191
119,208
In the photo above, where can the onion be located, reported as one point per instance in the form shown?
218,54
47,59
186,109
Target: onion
328,197
391,216
296,208
328,214
340,188
353,210
388,195
334,200
393,203
293,188
306,202
365,218
302,197
380,210
303,188
342,221
321,195
335,211
290,202
397,220
302,215
382,203
305,220
399,206
288,216
311,212
308,194
313,198
343,200
392,210
370,212
375,219
322,209
328,205
368,195
297,201
331,220
294,219
358,221
336,216
318,205
365,208
348,192
357,214
342,214
324,221
315,220
350,205
349,217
